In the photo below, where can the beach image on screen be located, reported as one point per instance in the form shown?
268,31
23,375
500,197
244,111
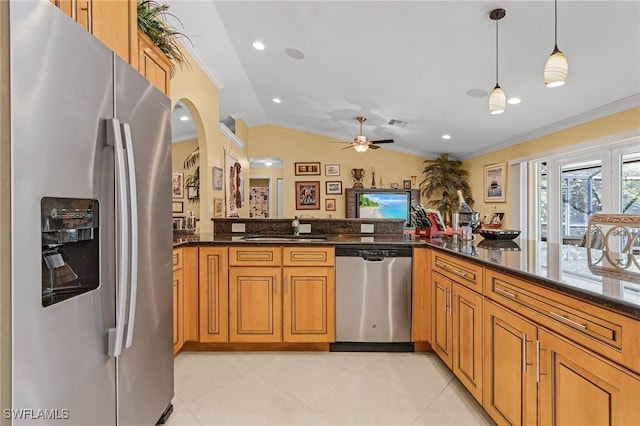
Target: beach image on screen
383,206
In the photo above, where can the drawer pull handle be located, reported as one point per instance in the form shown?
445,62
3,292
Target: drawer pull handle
454,271
569,321
505,293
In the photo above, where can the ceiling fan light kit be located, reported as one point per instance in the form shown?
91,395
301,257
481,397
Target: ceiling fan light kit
498,99
556,70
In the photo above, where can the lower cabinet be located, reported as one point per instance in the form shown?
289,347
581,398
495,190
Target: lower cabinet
308,304
533,376
578,387
510,388
213,299
178,300
255,305
457,331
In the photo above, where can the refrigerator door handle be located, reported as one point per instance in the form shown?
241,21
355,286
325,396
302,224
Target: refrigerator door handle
133,209
116,334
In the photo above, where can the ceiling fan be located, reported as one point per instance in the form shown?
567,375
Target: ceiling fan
361,143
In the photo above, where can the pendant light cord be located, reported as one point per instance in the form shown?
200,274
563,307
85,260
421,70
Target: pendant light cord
556,23
496,52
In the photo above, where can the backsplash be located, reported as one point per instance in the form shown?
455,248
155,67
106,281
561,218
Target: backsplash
318,226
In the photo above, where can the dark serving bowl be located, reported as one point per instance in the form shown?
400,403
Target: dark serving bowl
499,245
499,234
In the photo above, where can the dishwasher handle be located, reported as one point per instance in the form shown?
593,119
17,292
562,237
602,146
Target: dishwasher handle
373,258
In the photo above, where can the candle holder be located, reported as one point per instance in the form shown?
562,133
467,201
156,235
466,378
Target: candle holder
373,180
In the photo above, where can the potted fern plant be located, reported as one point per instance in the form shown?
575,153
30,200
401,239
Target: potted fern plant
152,21
443,177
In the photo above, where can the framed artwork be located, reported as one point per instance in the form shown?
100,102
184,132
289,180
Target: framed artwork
308,195
217,178
330,204
307,169
177,185
333,187
495,183
177,207
406,184
332,169
217,207
192,192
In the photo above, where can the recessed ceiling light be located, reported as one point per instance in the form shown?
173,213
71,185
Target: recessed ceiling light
184,118
258,45
268,163
514,101
277,100
294,53
477,93
446,136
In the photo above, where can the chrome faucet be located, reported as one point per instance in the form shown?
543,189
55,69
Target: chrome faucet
295,224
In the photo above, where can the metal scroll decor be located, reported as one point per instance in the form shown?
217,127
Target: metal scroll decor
613,245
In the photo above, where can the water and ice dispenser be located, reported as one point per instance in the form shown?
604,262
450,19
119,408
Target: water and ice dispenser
70,248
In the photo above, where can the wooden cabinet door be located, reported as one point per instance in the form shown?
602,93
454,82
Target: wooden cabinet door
213,294
467,338
420,300
178,303
509,395
578,387
308,304
190,273
153,64
441,327
255,304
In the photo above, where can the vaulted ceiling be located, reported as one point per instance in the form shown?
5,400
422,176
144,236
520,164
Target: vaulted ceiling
416,61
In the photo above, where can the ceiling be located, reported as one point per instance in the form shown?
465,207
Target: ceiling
415,61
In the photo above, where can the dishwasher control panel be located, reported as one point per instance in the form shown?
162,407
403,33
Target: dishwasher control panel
373,251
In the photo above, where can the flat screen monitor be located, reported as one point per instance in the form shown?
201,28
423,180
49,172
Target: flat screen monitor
384,205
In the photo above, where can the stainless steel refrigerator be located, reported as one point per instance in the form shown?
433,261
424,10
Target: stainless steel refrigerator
90,205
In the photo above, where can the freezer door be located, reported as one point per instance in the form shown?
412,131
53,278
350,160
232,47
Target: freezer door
145,367
61,96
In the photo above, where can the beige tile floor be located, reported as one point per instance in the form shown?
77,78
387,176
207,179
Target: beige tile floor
319,388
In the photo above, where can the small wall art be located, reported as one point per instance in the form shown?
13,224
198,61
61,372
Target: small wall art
217,178
330,204
333,187
177,207
332,169
177,185
406,184
218,207
307,169
495,181
308,195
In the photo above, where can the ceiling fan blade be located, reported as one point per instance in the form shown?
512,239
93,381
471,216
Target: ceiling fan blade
371,146
347,147
383,141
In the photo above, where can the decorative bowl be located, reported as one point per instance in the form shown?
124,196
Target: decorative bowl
499,234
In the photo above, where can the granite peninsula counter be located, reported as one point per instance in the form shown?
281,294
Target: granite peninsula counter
564,268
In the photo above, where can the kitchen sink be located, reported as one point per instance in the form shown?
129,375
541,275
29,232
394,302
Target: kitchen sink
284,238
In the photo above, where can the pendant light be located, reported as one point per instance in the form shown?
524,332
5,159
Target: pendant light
497,99
557,69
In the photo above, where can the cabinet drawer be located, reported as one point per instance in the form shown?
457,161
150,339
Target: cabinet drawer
608,333
177,259
458,270
255,256
308,256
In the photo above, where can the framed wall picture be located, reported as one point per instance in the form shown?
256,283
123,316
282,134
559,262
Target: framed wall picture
330,204
177,185
332,169
177,207
495,183
307,169
192,192
308,195
216,176
333,187
406,184
217,207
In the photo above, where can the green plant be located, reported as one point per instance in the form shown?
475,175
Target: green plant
443,177
192,162
152,20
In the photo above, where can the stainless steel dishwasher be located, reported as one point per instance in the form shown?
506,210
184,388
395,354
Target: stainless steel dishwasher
373,297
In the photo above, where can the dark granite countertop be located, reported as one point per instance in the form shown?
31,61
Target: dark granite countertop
565,268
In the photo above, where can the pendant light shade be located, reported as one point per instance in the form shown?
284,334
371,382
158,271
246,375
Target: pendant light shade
361,148
556,69
497,99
